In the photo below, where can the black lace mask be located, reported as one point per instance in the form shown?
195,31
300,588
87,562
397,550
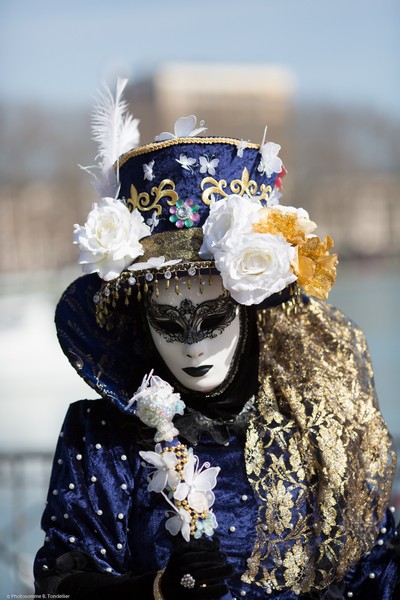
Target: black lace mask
189,323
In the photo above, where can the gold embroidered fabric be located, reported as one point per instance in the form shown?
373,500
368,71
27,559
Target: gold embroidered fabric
184,244
318,453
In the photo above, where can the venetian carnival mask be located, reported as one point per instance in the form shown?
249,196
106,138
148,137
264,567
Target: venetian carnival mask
196,332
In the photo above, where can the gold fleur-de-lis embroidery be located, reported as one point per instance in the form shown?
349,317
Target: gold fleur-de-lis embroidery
245,185
241,187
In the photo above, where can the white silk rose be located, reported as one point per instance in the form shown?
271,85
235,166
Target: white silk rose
225,217
110,239
257,266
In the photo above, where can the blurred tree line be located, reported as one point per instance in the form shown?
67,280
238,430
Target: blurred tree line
343,166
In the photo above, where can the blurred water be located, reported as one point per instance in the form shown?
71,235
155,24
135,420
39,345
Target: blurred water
369,293
37,384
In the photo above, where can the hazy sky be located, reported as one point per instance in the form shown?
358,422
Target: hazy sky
343,51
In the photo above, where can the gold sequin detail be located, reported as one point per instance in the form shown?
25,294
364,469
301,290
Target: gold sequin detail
318,453
315,267
184,244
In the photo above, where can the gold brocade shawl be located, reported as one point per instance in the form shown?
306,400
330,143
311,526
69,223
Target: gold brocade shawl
318,454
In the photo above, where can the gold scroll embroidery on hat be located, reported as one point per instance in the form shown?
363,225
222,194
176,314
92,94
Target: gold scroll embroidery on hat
142,200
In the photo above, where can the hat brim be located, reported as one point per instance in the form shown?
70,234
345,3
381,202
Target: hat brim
112,362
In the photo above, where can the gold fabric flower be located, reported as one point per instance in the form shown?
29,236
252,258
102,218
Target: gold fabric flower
293,224
315,267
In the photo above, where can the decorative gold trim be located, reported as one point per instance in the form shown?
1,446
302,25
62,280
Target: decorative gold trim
181,244
176,142
110,292
142,200
318,453
240,187
157,593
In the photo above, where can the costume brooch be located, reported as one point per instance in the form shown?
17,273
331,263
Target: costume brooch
175,470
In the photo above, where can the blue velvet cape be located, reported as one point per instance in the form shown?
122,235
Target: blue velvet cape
99,504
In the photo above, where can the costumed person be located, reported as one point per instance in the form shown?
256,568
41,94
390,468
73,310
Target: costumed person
237,449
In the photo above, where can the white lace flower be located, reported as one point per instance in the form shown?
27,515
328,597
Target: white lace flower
184,127
109,240
186,162
197,484
241,147
153,220
175,475
155,262
226,218
148,170
180,523
155,404
164,474
270,161
206,526
274,197
258,265
208,166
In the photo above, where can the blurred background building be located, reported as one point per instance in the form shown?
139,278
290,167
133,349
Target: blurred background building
342,162
327,95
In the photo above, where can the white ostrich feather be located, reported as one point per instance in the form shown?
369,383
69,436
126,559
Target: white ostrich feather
115,132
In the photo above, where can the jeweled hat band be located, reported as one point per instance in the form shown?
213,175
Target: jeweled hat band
119,292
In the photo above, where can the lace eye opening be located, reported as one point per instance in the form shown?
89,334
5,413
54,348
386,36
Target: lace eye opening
169,326
212,322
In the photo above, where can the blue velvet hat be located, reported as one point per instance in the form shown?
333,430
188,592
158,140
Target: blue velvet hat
170,188
184,205
172,184
175,182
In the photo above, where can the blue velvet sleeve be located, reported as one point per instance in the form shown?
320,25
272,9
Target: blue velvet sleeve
376,574
89,498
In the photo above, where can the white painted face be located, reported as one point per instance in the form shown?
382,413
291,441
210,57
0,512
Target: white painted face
195,333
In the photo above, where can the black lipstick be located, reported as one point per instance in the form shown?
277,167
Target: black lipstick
197,371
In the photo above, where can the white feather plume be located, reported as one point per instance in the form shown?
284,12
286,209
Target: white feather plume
115,132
